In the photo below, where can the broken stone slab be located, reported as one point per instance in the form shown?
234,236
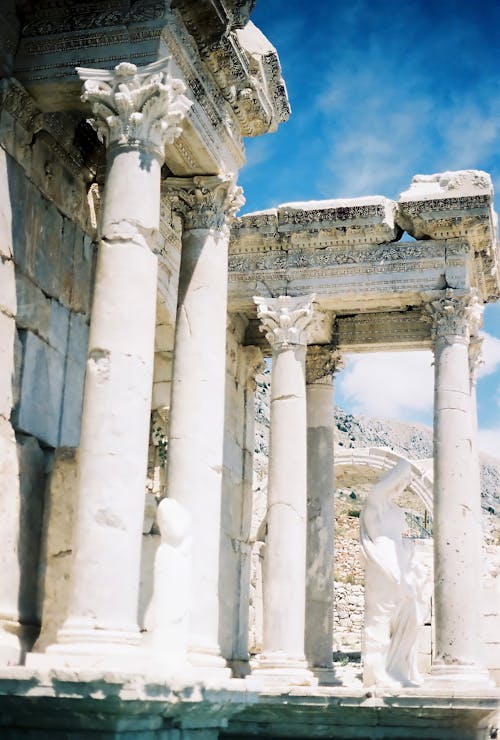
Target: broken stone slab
451,205
39,410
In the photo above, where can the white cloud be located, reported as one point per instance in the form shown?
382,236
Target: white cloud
491,355
389,384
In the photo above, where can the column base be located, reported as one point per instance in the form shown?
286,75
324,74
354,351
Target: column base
278,669
81,645
458,676
326,676
91,656
208,663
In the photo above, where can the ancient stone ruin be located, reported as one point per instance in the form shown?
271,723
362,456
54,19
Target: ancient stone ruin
146,590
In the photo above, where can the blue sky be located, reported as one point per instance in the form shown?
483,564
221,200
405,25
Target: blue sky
380,92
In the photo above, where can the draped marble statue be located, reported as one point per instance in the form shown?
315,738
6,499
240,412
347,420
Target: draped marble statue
167,618
394,596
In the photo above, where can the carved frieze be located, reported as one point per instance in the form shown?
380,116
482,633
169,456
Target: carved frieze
205,202
136,106
285,319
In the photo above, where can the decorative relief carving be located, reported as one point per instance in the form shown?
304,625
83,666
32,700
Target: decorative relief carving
322,361
136,106
332,257
467,203
15,99
209,202
347,213
65,18
285,319
455,315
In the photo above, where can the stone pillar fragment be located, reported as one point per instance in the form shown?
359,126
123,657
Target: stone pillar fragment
196,431
137,111
457,503
321,363
285,320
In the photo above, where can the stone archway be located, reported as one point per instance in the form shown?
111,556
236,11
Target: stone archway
365,465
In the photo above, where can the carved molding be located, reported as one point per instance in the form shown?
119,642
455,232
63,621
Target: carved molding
285,319
322,361
133,105
455,314
209,202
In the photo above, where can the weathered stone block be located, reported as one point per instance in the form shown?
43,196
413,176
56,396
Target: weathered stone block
33,307
39,410
74,381
58,327
22,476
5,207
7,357
7,287
57,544
67,262
162,367
161,395
48,249
84,257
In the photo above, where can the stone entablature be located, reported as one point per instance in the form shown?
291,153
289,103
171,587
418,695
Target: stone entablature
231,71
350,253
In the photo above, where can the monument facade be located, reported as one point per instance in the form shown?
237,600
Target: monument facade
132,299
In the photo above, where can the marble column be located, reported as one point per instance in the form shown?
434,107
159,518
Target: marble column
321,362
196,431
457,502
285,321
137,111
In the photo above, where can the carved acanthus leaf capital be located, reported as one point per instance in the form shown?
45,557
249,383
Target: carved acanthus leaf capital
209,202
322,361
285,319
132,105
455,315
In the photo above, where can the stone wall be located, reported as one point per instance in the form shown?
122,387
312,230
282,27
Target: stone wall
47,256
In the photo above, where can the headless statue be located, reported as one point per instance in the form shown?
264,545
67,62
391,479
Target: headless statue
393,592
170,602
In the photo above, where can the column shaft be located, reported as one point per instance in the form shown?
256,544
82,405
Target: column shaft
320,524
137,112
112,456
195,441
457,510
285,559
196,430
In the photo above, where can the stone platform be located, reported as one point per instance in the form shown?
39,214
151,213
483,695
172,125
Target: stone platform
67,704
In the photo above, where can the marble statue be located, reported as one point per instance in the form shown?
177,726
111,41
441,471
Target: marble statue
168,613
393,586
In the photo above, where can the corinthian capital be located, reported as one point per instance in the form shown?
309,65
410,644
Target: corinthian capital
455,314
321,362
285,319
135,105
209,202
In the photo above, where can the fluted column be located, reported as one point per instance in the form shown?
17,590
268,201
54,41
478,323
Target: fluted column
137,111
321,363
285,321
457,503
196,432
